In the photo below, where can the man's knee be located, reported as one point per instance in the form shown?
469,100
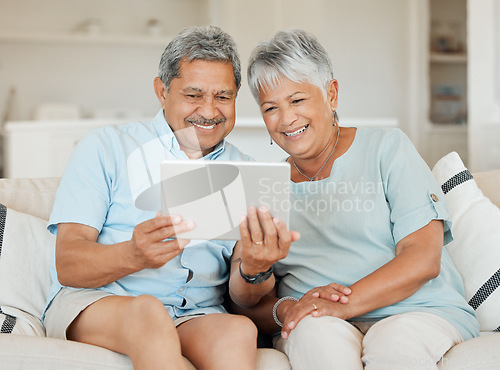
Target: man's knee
242,326
144,303
146,312
118,321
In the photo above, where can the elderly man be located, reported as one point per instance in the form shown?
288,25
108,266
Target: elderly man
120,280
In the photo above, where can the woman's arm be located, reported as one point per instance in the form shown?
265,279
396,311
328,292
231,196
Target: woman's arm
417,261
262,313
264,241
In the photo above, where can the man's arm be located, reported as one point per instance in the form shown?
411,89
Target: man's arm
82,262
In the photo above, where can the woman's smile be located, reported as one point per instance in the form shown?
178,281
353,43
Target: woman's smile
296,132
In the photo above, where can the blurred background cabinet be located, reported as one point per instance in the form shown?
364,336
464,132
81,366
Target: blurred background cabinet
43,148
461,71
446,91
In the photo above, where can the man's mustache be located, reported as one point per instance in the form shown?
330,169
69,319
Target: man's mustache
206,121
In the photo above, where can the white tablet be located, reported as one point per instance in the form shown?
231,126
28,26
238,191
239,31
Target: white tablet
215,195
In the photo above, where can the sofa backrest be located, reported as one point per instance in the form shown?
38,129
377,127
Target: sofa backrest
489,183
32,196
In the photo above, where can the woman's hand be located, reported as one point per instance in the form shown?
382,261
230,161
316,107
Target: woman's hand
333,292
264,241
314,306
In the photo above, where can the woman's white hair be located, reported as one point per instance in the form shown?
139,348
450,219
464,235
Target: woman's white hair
294,54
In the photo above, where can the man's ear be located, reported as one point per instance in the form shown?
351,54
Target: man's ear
160,90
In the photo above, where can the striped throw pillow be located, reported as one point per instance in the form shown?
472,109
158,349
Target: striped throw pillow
475,249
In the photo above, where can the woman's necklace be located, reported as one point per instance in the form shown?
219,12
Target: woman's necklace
317,173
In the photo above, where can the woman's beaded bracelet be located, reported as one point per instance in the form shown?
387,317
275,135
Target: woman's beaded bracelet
275,308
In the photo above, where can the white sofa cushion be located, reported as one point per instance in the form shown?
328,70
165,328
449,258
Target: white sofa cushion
21,352
474,354
475,249
26,249
22,323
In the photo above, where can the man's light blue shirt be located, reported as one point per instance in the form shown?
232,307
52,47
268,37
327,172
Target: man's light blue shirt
110,168
378,192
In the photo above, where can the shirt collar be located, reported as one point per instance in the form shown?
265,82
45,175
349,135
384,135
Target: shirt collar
170,142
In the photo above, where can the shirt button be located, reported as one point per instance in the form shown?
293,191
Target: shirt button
434,197
185,264
181,289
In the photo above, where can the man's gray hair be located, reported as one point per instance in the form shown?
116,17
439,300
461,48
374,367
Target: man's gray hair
205,43
294,54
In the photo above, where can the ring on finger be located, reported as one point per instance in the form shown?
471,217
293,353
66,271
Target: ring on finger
259,243
315,307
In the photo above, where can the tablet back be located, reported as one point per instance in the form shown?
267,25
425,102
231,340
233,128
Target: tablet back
215,195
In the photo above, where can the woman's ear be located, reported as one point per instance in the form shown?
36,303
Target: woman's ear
332,94
160,90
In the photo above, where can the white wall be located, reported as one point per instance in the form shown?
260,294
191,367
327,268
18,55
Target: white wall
371,43
95,75
118,16
368,42
484,84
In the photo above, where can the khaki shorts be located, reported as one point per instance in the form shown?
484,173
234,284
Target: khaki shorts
68,304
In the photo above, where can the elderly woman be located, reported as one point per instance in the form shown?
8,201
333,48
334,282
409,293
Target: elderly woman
368,283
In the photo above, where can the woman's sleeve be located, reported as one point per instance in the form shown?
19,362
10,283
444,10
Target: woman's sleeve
412,192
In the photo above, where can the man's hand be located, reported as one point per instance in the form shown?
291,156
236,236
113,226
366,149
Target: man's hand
82,262
148,245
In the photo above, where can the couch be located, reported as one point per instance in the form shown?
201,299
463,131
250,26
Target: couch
26,249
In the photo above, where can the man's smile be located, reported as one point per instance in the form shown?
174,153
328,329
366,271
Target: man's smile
206,124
